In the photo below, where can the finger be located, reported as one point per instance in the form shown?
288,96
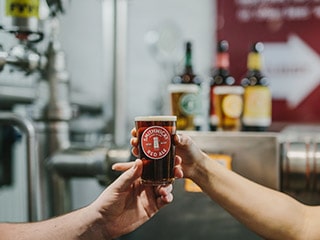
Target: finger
164,200
134,132
182,140
177,138
178,173
166,195
177,160
129,177
135,151
167,199
122,166
134,141
164,190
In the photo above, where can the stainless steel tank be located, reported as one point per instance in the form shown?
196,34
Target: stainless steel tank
300,158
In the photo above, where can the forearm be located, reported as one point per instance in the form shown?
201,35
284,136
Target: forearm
270,213
77,225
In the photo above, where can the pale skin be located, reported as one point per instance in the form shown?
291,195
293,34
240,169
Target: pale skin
269,213
121,208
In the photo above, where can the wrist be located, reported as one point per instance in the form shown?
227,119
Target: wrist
197,169
94,226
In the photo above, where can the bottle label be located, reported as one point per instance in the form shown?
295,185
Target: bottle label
223,60
257,107
188,103
232,105
22,8
156,142
254,61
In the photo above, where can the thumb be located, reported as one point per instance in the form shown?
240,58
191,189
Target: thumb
127,178
182,140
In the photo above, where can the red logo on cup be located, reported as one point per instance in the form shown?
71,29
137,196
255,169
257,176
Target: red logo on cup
156,142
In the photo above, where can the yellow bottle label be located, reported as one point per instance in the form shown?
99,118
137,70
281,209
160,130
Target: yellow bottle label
254,61
22,8
257,106
232,106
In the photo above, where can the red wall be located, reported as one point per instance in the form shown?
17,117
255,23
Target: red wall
271,23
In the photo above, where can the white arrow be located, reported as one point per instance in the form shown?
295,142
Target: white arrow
293,69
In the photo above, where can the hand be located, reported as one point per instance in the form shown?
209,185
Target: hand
126,203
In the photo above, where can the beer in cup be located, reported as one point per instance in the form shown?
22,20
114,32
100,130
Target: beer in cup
156,148
228,103
184,103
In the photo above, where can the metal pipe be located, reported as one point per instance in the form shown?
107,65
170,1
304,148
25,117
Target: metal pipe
3,57
300,159
94,162
11,95
79,162
300,165
119,79
35,205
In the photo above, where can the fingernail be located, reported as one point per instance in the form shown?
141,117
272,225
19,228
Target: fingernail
135,164
179,138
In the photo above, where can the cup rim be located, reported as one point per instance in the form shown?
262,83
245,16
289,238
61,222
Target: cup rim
156,118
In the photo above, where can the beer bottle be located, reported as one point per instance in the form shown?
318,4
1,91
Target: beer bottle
187,76
257,95
220,76
186,95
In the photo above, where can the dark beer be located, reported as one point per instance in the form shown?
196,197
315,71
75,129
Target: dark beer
156,148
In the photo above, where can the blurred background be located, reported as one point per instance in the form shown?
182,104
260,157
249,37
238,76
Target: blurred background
74,74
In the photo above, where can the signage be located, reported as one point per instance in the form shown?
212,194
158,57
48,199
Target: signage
290,33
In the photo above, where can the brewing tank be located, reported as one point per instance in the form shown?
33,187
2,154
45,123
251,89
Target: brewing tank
300,163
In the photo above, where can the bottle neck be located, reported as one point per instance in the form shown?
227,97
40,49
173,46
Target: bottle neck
222,60
254,61
188,62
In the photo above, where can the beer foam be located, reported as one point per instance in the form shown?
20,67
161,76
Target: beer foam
186,88
156,118
228,90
